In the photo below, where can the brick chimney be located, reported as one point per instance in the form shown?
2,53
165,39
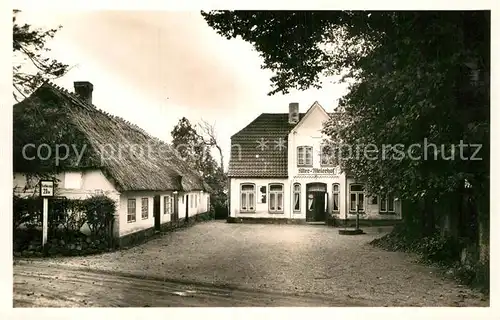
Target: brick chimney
293,113
84,90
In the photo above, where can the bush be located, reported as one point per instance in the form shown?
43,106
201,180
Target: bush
26,211
100,214
71,214
436,248
67,213
445,250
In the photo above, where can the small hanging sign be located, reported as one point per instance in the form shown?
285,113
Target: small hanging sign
46,188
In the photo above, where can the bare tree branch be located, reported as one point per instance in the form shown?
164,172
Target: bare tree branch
209,137
28,44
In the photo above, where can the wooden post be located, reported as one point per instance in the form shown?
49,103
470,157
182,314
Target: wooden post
45,220
46,191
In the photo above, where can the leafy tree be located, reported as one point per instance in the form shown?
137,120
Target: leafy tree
190,146
29,45
195,148
412,76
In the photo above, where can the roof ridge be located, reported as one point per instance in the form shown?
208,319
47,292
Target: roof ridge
134,173
260,115
73,96
281,125
95,108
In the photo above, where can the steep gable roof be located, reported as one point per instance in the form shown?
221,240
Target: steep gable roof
314,106
261,148
267,138
128,156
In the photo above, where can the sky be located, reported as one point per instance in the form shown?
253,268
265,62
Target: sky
154,67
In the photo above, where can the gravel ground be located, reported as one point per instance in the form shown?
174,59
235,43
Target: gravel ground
312,259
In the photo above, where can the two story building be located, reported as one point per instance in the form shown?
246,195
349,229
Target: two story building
277,171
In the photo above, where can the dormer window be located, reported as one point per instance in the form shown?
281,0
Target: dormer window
304,156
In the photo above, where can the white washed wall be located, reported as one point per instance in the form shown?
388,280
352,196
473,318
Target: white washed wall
72,185
261,209
308,133
140,223
75,185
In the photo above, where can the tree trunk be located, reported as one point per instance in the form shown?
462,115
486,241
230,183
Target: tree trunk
428,216
483,219
221,157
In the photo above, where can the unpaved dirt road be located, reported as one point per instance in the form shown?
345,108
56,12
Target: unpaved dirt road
220,264
43,286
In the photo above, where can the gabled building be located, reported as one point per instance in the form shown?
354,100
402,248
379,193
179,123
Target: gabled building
277,171
90,152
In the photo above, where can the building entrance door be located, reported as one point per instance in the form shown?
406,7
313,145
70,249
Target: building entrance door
156,212
316,205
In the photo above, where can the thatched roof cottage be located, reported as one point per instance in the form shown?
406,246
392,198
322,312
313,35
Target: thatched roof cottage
90,151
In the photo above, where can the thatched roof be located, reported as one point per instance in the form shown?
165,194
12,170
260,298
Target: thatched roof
128,156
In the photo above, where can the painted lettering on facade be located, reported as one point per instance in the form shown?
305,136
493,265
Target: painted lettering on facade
317,171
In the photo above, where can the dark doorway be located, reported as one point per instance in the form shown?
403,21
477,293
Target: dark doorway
175,214
187,208
316,204
156,212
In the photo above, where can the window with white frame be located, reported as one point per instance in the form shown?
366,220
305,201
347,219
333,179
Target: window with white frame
357,197
296,197
72,180
247,203
276,198
131,210
144,208
304,156
387,204
336,198
167,204
190,201
326,156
